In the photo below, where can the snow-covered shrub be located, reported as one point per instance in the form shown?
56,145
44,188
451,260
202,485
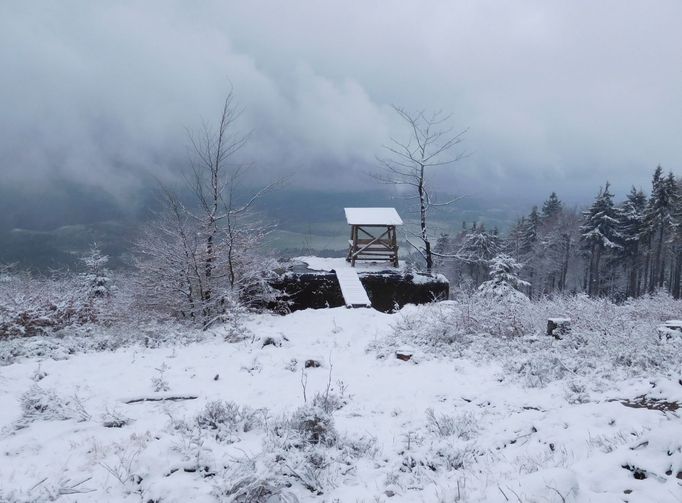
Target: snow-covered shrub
114,419
462,426
305,447
444,455
538,370
49,489
455,325
576,392
252,481
500,318
605,337
41,403
311,424
233,320
86,338
33,305
123,463
96,277
159,382
329,401
45,404
433,325
227,419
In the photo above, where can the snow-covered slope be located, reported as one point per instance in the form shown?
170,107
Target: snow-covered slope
433,428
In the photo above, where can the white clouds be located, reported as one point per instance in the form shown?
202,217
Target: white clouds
550,90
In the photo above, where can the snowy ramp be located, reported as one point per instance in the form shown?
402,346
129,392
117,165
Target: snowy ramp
354,294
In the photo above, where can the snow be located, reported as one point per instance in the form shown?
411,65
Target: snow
353,292
336,264
487,437
323,263
372,216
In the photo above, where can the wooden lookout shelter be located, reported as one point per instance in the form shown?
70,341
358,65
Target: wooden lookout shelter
373,234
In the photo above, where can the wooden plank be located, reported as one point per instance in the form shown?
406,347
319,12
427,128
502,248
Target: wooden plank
354,294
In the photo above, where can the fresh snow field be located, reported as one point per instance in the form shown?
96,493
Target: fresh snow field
440,427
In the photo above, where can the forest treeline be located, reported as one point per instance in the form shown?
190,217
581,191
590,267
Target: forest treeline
615,249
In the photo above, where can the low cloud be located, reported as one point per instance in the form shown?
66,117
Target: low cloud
559,95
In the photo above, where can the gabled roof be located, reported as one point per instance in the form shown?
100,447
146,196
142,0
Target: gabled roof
372,216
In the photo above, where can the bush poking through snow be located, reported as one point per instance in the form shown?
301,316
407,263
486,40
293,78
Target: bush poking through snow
539,370
432,328
605,337
227,419
114,419
329,402
44,404
463,426
159,382
313,425
250,481
305,447
41,403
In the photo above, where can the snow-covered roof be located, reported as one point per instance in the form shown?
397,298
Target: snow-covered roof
372,216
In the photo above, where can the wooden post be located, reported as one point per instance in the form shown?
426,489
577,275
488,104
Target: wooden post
355,245
394,244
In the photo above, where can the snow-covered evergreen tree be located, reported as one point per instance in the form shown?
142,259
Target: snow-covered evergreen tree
660,223
504,282
96,277
477,248
512,243
530,231
551,208
600,234
529,246
632,228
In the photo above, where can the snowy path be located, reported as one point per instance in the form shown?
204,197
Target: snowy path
354,293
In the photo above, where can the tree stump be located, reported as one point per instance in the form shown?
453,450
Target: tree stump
670,329
404,353
557,327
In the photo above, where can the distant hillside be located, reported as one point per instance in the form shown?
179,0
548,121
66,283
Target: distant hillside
51,229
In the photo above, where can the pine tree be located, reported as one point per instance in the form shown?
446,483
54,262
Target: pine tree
600,235
504,283
443,247
676,245
659,223
551,208
548,256
96,278
529,242
478,247
632,228
530,231
513,242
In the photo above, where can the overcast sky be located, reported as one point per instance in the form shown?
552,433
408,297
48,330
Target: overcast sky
556,95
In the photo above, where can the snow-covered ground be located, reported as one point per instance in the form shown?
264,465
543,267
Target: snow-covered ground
248,421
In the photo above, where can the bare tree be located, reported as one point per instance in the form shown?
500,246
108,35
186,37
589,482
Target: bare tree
431,144
204,253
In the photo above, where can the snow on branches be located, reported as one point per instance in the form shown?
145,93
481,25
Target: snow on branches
504,283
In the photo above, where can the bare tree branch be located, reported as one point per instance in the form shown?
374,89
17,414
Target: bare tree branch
430,145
